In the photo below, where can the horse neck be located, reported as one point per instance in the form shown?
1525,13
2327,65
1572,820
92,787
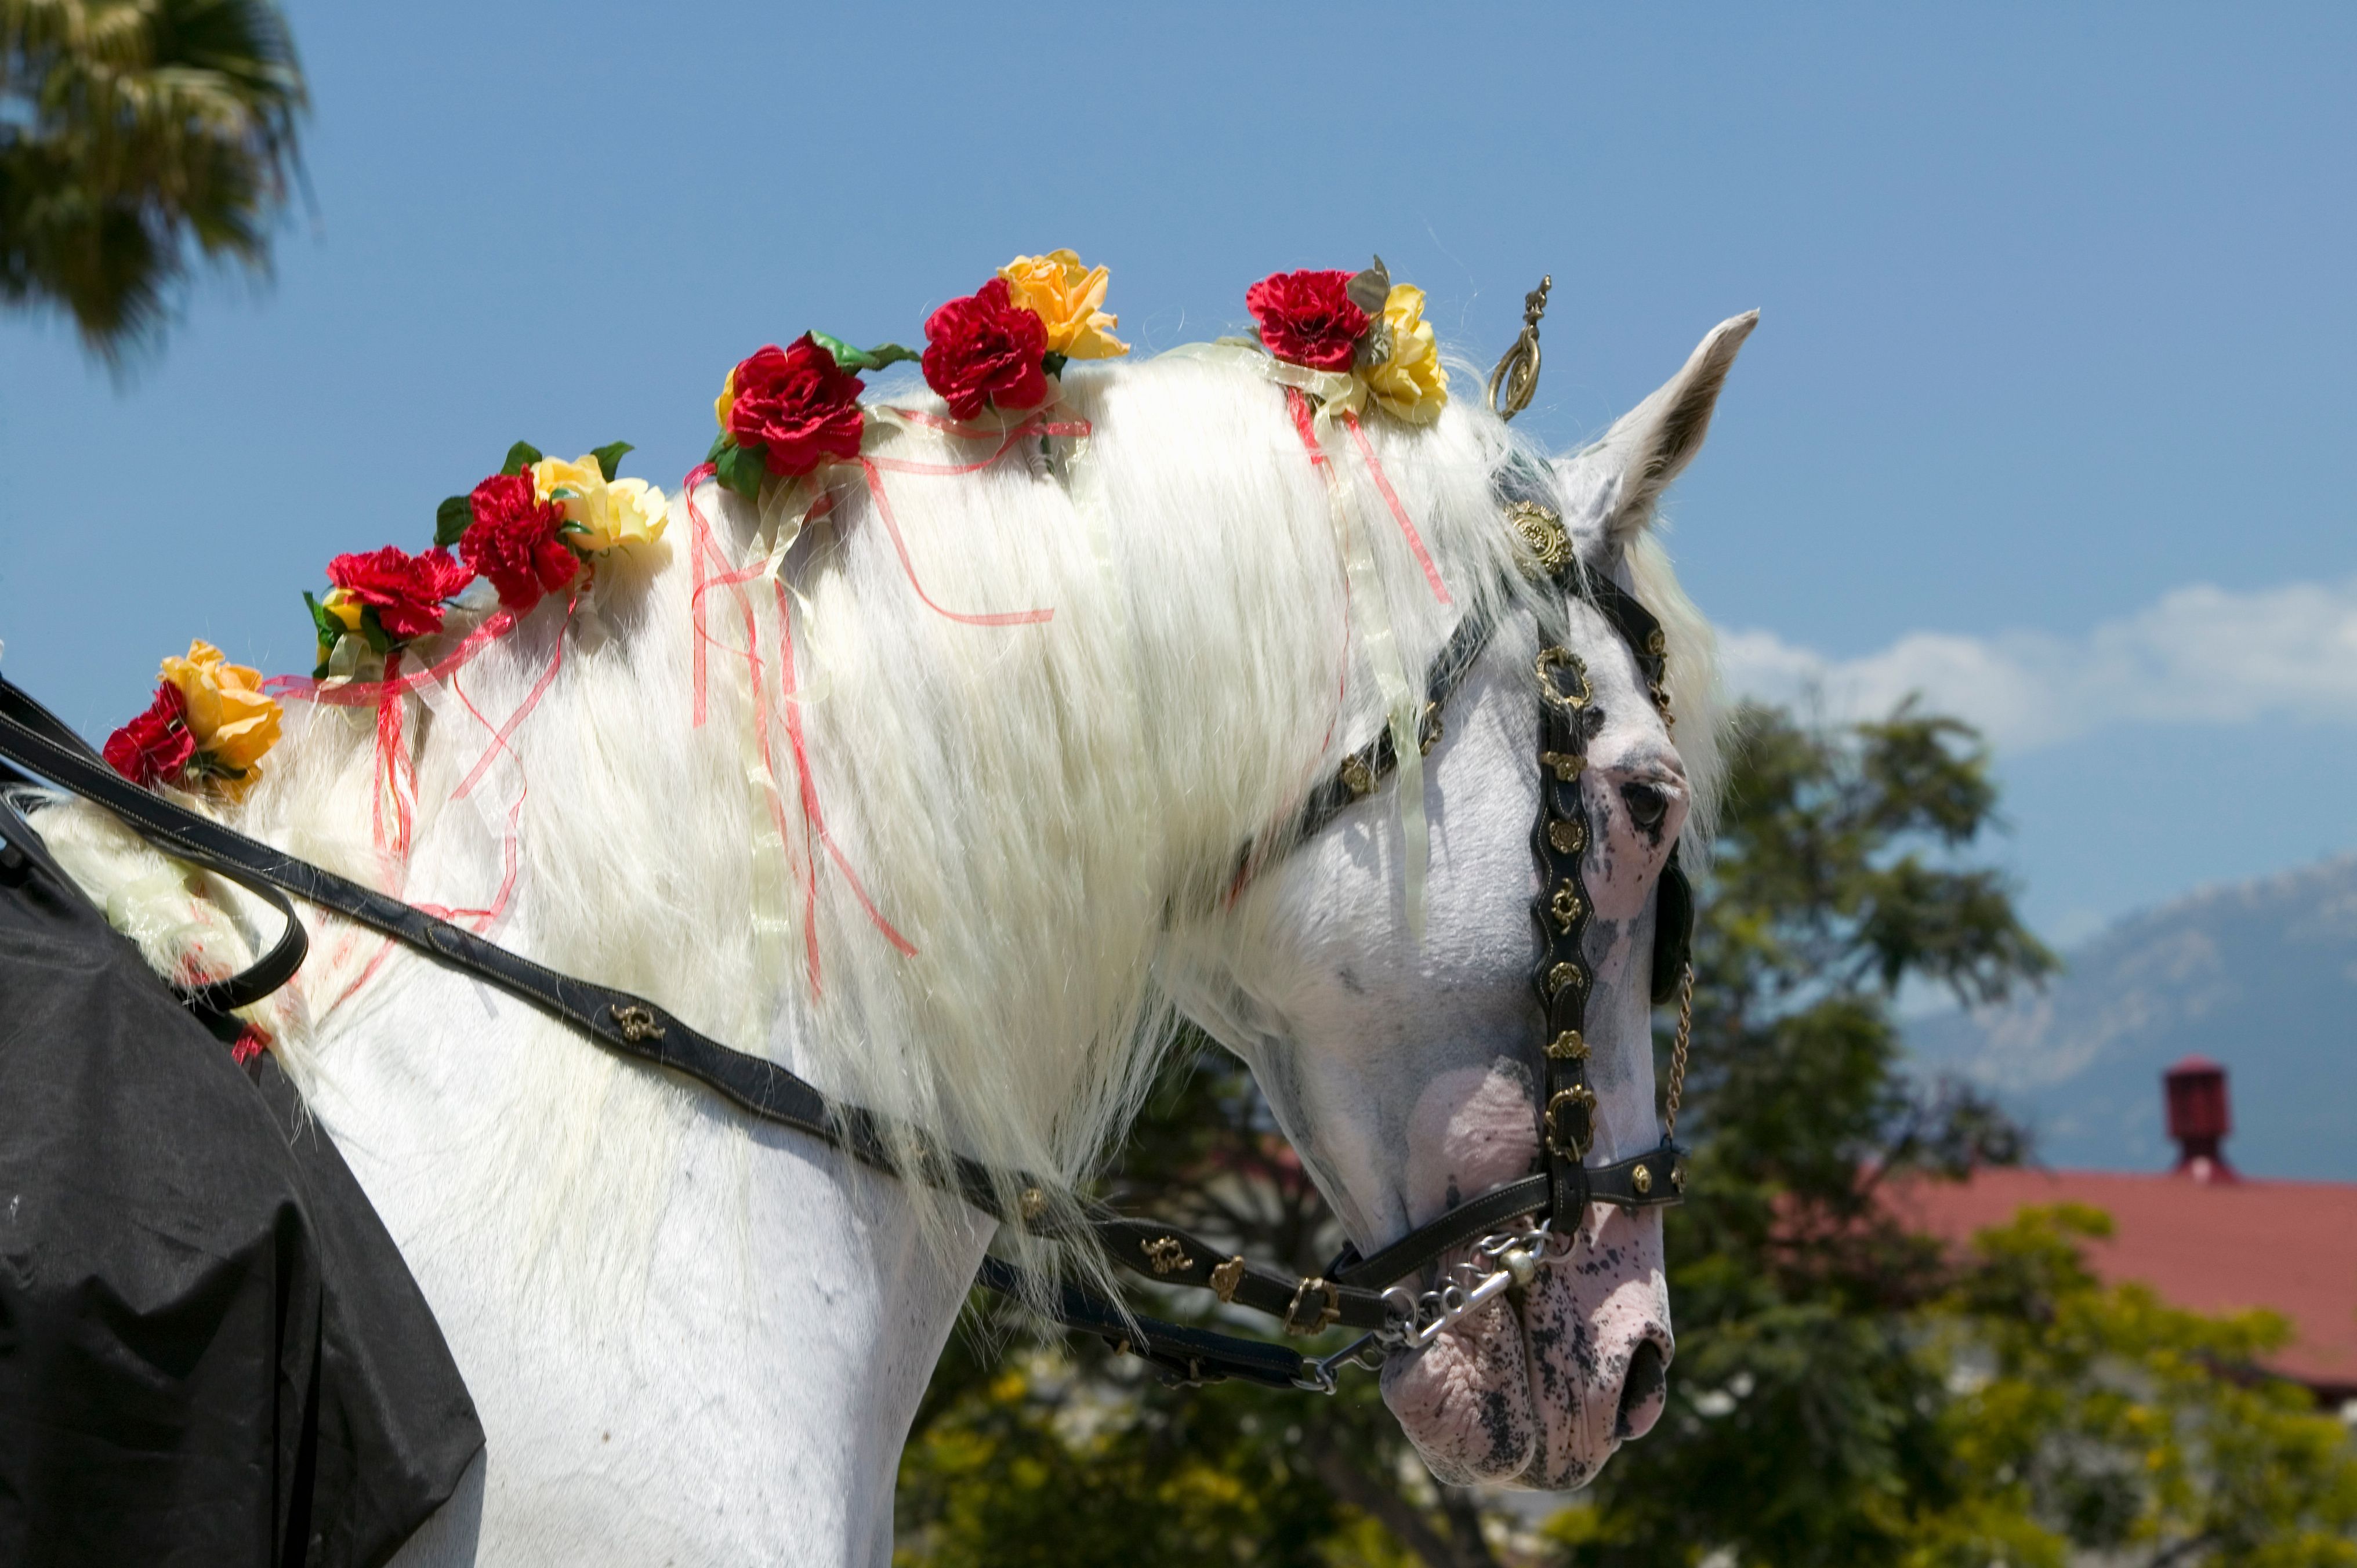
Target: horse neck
689,1339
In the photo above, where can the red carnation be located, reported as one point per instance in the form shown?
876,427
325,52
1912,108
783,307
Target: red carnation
795,406
157,744
986,348
1308,318
406,591
514,541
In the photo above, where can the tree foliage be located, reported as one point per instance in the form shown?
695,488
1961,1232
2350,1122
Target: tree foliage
135,137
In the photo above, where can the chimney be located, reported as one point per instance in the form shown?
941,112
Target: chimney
2199,1119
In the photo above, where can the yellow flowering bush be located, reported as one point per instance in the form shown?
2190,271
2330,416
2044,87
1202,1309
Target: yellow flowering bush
1410,381
600,513
231,718
1065,295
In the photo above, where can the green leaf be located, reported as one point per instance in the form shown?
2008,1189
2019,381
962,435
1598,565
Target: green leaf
379,639
521,456
850,358
451,519
720,444
845,357
741,469
569,526
1054,363
609,458
328,626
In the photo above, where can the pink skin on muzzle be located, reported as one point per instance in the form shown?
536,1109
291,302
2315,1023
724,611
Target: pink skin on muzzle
1528,1393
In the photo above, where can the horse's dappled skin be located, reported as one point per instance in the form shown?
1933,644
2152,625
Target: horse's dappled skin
696,1341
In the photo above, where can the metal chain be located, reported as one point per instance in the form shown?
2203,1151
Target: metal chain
1678,1054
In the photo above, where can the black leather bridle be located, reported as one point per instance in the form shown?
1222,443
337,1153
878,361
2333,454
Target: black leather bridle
1362,1293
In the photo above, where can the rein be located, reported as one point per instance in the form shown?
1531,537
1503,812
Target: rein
1362,1293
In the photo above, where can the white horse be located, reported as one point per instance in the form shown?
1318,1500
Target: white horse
694,1339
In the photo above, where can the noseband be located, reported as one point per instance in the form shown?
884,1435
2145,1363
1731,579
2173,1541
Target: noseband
1362,1293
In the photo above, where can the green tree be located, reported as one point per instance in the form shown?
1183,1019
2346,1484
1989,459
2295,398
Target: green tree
136,137
1803,1418
2098,1419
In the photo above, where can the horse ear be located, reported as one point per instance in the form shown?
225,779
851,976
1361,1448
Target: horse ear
1622,476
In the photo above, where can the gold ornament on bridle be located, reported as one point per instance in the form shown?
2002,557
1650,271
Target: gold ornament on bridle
1517,375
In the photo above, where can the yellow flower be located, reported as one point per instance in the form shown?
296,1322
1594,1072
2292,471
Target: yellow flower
341,604
726,400
1410,381
1061,292
600,513
231,719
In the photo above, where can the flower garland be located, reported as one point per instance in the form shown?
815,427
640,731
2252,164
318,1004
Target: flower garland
533,528
1362,326
210,724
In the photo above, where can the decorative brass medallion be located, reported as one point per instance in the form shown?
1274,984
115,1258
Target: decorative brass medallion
1165,1254
1031,1204
1566,766
1568,834
1570,1046
1564,975
1541,531
1566,905
1678,1175
1641,1178
636,1024
1657,644
1579,696
1357,776
1227,1277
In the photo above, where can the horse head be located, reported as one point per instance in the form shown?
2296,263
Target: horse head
1407,1070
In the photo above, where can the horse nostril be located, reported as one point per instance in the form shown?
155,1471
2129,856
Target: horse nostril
1648,804
1647,1380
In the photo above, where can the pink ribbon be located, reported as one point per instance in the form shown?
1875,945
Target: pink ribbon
1391,499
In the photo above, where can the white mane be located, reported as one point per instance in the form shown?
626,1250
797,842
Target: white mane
1031,806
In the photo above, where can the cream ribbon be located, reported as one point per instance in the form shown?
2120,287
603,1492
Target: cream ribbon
1337,392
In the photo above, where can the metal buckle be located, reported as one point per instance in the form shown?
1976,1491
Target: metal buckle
1328,1316
1580,695
1581,1098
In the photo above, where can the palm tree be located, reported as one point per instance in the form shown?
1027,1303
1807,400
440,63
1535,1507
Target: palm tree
135,137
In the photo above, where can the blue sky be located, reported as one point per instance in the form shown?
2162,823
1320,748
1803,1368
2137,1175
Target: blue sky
2047,414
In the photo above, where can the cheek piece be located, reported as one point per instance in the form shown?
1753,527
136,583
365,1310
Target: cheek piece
1512,1229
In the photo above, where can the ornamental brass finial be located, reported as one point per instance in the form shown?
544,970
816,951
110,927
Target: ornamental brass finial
1517,374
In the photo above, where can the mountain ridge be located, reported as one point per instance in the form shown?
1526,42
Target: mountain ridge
2259,974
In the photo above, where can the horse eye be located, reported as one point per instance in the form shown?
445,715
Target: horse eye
1648,804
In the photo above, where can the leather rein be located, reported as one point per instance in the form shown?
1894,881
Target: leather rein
1362,1293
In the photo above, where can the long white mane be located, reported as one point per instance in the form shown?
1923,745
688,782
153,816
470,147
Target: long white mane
1030,807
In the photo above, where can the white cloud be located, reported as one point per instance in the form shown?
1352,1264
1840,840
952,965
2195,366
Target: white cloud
2200,655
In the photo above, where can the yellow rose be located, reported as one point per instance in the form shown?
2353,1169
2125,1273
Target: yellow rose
232,721
341,604
726,400
1410,383
601,513
1061,292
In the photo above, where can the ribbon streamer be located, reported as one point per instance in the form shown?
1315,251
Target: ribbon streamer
1383,654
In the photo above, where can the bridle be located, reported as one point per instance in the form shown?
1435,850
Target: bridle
1365,1293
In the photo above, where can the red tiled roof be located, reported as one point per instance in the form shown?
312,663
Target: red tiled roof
2288,1245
